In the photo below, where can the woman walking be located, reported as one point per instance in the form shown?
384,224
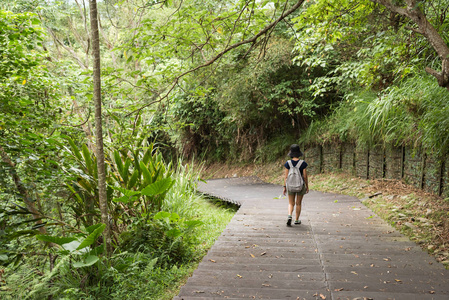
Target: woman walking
295,197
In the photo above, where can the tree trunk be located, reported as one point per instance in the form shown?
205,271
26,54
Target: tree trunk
98,126
414,13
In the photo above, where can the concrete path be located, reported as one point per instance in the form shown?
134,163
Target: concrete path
342,250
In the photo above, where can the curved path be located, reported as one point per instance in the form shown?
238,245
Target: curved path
342,250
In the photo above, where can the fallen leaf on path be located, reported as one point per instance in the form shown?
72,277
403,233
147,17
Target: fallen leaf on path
252,255
211,260
265,284
263,253
322,296
339,290
354,272
398,280
199,292
239,276
432,292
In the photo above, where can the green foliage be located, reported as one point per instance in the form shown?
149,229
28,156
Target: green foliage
138,176
342,70
356,46
167,236
153,257
275,148
29,115
27,100
412,113
252,99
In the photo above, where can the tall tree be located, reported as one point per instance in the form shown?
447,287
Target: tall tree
99,124
414,11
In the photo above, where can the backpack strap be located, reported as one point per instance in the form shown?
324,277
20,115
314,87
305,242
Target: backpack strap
298,165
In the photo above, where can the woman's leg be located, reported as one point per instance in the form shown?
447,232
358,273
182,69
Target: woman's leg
298,205
291,203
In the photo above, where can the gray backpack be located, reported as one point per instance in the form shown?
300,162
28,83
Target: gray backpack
295,182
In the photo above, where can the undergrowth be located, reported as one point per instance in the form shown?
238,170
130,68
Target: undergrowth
413,113
154,258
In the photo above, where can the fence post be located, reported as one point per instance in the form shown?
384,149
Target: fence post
354,159
367,163
423,170
402,162
441,175
321,158
340,163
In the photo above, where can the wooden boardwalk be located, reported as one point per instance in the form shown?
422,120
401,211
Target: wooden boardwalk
342,250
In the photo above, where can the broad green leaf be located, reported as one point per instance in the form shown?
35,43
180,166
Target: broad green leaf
174,232
72,246
193,223
92,228
133,179
54,239
146,173
126,172
88,160
86,186
162,215
124,199
158,187
90,260
118,162
147,156
90,239
75,150
126,192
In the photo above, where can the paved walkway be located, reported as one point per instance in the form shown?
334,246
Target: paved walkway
342,250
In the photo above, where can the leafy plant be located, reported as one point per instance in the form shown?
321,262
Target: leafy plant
138,180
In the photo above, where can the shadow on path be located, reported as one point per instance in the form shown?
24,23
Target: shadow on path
342,250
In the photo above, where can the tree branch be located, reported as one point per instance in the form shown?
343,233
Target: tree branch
414,13
22,189
226,50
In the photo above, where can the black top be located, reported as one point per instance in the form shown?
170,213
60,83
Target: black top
294,163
